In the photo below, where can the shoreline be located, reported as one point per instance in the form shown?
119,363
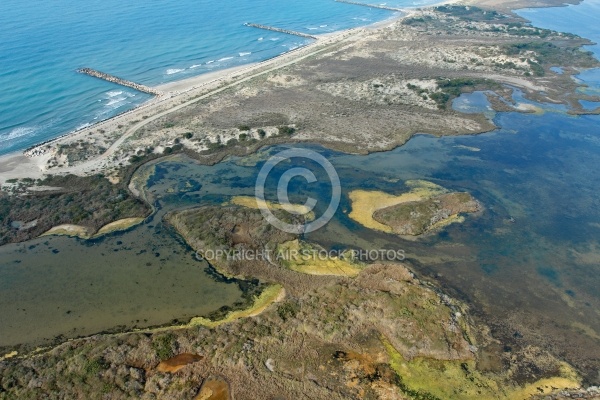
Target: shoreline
32,161
192,87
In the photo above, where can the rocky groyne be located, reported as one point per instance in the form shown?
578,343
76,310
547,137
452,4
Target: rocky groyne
274,29
383,7
119,81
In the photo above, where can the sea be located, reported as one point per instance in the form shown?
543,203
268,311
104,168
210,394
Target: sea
42,44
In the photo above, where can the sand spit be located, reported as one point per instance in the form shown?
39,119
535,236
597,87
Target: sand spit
86,233
120,225
361,90
69,230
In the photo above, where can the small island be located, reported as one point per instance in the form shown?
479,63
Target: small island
418,217
425,208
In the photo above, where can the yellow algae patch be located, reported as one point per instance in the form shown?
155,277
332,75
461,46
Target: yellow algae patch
302,257
364,203
119,225
459,379
86,233
544,386
253,202
448,221
568,379
9,355
69,230
272,294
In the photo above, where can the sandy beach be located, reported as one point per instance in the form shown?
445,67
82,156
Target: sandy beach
109,135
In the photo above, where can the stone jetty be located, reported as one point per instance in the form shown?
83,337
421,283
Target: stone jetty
274,29
370,5
119,81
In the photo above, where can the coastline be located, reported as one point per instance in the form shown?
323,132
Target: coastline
192,84
31,162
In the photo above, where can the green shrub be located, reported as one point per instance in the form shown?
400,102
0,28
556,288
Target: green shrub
286,130
164,346
215,145
288,310
93,367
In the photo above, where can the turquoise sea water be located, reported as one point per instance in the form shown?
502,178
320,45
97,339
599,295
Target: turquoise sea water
42,44
582,19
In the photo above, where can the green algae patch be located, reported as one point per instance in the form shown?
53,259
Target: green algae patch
272,294
426,378
438,379
303,257
120,225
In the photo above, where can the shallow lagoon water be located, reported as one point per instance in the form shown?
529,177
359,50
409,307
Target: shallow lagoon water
473,103
530,261
589,105
539,274
60,286
587,25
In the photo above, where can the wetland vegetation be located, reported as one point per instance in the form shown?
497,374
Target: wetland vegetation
483,308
